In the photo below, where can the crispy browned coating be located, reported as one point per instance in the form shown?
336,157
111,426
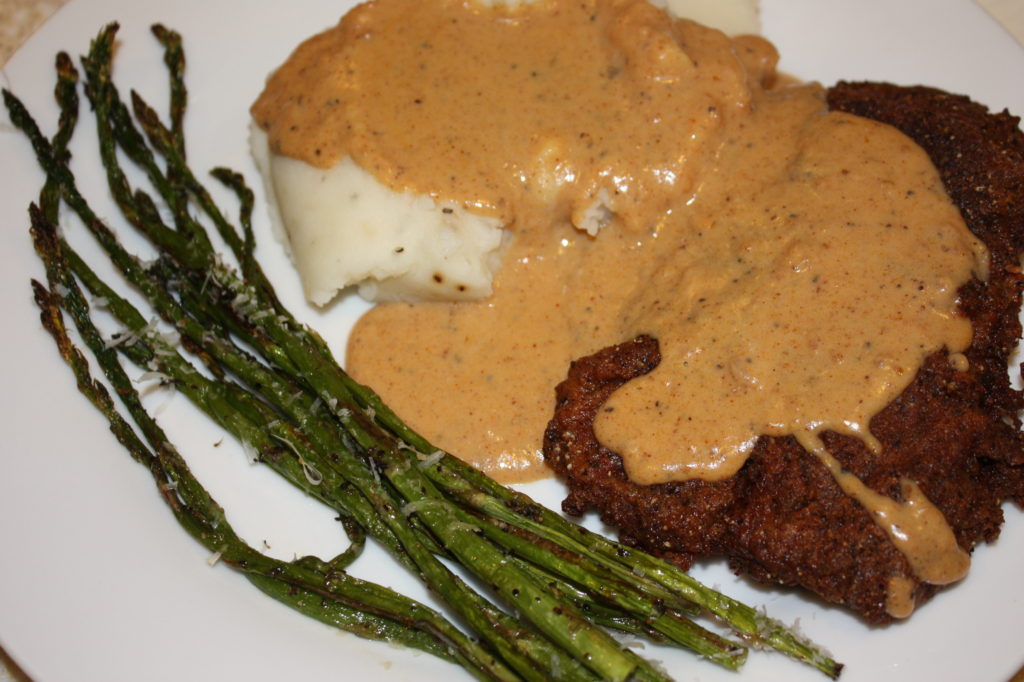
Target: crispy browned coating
782,519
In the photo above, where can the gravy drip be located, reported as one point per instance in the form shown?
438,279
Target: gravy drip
914,526
796,265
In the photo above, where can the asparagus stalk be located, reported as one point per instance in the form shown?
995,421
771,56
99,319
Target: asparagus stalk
356,456
348,603
319,589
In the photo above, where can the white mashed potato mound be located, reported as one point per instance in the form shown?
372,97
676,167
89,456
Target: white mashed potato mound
345,229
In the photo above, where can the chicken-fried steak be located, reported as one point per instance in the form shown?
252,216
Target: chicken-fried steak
783,518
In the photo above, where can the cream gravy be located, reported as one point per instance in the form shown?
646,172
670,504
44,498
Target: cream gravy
796,265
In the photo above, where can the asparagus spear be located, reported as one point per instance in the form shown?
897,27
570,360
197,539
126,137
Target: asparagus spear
316,588
358,457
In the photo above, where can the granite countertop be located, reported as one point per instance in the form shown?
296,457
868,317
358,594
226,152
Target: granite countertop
20,18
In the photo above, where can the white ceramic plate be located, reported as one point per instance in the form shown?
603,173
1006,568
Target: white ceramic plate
97,582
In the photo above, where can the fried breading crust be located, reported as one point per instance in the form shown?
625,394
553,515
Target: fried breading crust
782,518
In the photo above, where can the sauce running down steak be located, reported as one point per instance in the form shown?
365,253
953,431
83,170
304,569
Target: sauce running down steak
955,430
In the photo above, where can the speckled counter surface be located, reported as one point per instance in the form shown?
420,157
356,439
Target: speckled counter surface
20,18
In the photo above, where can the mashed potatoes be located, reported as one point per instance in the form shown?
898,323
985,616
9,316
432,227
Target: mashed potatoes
345,228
